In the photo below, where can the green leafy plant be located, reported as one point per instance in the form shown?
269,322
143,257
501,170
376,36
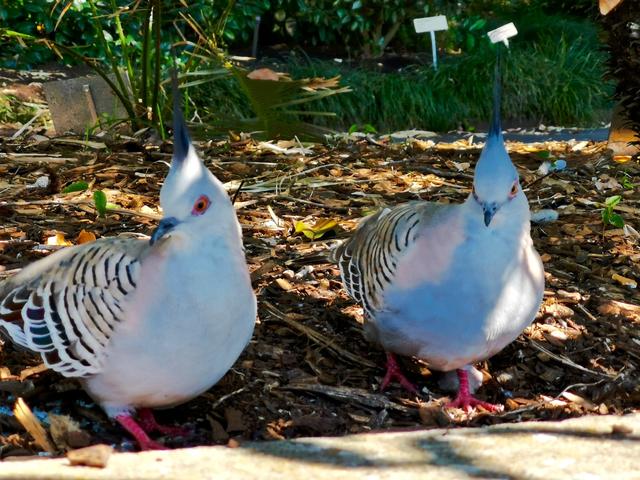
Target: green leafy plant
467,33
130,45
80,186
276,104
625,181
14,110
33,17
364,128
609,217
275,99
100,203
366,28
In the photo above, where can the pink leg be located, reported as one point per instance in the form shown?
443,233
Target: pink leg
465,400
149,424
131,426
394,372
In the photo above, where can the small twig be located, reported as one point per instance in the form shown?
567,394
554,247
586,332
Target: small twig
527,408
44,202
566,361
310,202
539,179
442,173
26,125
317,337
235,195
356,395
584,310
592,384
80,204
223,398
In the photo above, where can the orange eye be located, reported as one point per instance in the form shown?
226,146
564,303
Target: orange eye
514,190
201,205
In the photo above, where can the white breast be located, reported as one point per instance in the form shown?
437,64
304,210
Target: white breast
488,291
183,335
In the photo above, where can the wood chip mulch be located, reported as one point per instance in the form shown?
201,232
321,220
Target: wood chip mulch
308,370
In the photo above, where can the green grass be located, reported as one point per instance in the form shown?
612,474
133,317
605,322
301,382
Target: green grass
552,74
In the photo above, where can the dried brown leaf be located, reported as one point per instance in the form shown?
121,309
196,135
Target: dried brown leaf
31,424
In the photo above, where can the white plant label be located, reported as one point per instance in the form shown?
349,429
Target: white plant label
430,24
503,33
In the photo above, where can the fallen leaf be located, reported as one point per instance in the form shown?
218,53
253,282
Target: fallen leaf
31,424
85,237
318,230
58,240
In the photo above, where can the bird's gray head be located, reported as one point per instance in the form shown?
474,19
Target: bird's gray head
495,182
193,200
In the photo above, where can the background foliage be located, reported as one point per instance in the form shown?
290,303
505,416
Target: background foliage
554,74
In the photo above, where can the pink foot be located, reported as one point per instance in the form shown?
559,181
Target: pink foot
395,373
131,426
149,424
465,400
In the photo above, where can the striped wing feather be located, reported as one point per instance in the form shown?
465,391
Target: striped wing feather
368,260
66,306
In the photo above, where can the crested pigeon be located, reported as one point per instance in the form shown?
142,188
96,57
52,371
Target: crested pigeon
144,324
452,284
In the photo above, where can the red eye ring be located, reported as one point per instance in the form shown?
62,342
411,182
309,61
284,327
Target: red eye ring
514,190
201,205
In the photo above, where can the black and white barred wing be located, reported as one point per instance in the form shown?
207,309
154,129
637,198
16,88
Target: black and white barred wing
66,306
368,260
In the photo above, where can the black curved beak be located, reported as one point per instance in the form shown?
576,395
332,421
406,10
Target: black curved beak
489,211
164,227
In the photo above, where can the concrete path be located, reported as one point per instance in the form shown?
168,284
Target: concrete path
587,448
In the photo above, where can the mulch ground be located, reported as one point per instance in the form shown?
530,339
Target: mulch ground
308,370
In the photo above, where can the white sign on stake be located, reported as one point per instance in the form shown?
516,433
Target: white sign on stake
431,25
503,33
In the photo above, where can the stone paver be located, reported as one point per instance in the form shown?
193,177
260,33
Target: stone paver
587,448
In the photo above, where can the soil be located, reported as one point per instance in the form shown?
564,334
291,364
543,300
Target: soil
308,370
